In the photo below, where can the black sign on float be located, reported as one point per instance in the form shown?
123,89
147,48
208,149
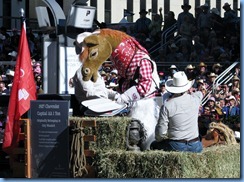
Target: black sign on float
49,139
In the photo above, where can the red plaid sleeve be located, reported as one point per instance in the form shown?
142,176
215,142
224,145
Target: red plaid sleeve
145,77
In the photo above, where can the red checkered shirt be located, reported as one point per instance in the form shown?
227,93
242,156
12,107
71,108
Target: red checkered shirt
144,81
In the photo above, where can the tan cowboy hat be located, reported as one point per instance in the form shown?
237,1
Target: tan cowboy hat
212,75
200,81
103,73
179,83
202,64
217,65
236,78
190,67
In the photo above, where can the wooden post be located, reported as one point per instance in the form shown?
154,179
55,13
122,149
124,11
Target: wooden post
27,149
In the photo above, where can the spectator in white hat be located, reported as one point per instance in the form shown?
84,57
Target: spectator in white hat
13,55
233,110
172,69
113,77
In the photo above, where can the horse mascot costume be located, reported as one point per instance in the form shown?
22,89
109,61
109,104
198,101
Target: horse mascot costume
138,77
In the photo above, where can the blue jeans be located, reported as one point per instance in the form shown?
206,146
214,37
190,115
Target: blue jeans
171,145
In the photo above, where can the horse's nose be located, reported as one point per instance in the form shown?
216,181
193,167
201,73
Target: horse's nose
86,71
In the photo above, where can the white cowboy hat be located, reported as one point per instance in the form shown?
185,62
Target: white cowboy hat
13,54
112,85
80,37
231,98
179,83
79,40
114,71
189,66
172,67
10,72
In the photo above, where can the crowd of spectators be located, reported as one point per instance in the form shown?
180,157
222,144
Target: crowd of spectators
208,44
9,42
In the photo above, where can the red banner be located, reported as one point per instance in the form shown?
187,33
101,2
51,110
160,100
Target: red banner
23,91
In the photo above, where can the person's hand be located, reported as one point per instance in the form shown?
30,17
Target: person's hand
121,99
128,97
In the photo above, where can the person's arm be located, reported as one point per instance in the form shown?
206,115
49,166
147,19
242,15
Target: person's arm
145,77
162,125
161,15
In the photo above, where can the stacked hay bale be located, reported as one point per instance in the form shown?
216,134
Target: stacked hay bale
113,161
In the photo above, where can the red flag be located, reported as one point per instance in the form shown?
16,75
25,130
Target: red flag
23,91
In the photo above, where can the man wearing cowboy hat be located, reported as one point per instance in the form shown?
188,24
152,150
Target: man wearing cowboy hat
202,71
190,72
142,23
186,7
232,109
178,118
230,19
216,68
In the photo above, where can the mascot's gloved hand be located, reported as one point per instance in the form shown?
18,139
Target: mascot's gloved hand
111,94
128,97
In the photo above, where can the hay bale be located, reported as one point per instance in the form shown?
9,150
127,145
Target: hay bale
113,161
214,162
110,131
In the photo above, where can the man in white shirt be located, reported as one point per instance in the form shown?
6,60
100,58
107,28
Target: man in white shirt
178,118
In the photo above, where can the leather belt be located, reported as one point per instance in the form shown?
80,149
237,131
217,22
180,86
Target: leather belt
187,141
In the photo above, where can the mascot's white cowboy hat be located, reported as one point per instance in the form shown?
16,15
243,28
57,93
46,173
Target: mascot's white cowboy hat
179,83
79,40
